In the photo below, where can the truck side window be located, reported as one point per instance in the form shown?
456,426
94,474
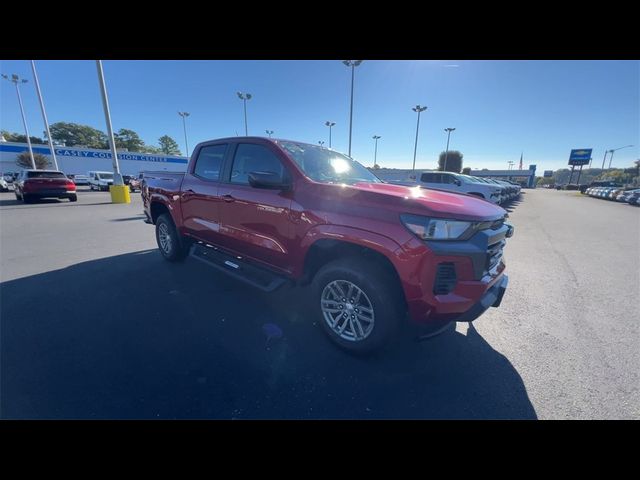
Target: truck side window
209,162
430,178
448,178
253,158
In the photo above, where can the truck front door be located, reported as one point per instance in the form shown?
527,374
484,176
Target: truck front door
255,222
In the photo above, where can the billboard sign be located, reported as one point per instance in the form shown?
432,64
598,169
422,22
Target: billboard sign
580,156
548,173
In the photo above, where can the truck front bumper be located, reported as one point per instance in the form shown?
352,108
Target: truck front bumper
492,298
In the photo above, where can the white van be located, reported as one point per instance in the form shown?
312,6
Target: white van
100,180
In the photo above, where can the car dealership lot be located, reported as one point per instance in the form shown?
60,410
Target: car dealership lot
96,325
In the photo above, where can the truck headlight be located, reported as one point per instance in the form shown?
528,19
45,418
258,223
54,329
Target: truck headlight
426,228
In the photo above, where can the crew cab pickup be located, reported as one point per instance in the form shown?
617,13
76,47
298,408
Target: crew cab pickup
270,212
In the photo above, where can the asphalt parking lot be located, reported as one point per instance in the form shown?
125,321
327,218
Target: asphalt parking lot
94,324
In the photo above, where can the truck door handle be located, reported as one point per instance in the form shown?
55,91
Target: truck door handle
228,198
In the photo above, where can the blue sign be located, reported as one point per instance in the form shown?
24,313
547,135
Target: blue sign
548,173
580,156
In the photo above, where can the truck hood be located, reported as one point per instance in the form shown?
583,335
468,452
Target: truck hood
437,202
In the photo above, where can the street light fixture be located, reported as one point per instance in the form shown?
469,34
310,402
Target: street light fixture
446,155
418,109
353,64
320,142
510,162
244,97
17,81
184,116
269,132
375,152
329,124
614,150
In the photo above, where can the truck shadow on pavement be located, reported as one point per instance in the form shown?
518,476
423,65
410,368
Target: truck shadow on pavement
133,336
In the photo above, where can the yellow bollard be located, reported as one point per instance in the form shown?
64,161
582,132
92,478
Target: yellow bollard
120,193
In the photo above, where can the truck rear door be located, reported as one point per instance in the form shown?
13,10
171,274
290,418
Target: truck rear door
199,194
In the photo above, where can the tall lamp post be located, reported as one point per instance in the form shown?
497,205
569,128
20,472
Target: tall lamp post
353,64
117,177
184,116
44,114
329,124
17,81
269,132
614,150
604,158
375,151
446,155
418,109
510,162
244,97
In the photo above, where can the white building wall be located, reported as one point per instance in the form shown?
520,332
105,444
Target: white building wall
74,160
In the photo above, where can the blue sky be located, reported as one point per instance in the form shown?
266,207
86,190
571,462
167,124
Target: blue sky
499,108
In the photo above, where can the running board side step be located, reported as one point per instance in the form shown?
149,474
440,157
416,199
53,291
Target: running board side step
257,277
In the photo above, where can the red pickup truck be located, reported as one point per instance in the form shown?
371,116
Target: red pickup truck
270,211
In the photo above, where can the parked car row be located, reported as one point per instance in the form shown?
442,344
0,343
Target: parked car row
495,191
618,194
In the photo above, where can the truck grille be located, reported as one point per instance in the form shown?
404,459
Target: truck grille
494,255
445,280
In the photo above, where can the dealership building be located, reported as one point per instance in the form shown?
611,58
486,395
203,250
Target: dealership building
79,161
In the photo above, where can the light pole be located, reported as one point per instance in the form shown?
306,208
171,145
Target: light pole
44,114
269,132
510,162
418,109
375,151
184,116
353,64
446,155
244,97
117,178
329,124
614,150
16,81
320,142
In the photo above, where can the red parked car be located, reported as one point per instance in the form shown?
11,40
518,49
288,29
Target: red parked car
35,184
270,211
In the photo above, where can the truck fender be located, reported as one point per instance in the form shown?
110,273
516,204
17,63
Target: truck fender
363,238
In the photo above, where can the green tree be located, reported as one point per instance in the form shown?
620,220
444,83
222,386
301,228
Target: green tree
454,161
128,139
168,145
466,170
23,160
20,138
72,134
151,149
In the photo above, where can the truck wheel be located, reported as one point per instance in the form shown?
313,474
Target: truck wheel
73,198
26,198
358,304
173,246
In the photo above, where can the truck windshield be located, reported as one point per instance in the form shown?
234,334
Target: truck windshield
326,166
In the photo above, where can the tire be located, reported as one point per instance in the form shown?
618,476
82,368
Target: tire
26,198
73,198
379,292
172,246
